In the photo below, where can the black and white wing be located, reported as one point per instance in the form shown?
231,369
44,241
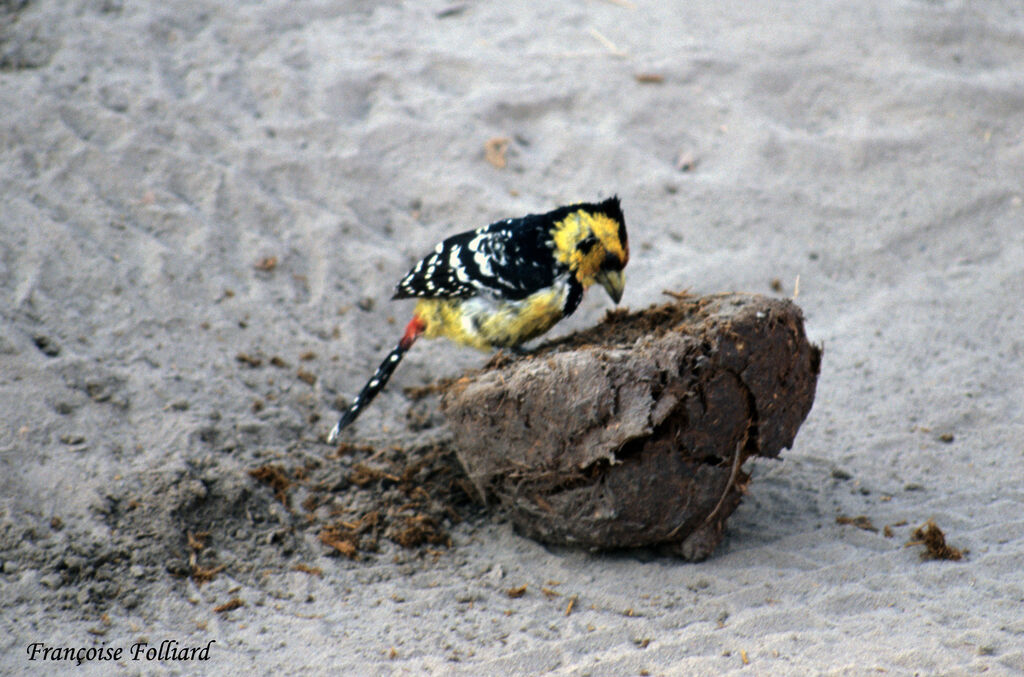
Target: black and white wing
509,259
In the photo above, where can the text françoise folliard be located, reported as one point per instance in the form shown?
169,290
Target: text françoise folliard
169,650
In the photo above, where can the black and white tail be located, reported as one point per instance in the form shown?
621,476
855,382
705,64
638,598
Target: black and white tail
378,380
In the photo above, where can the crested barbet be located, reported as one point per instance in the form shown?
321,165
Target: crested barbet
501,285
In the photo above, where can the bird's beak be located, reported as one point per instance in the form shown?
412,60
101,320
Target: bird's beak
613,281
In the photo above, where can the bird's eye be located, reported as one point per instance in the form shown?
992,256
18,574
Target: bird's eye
586,245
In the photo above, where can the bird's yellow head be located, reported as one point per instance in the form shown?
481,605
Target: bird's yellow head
590,238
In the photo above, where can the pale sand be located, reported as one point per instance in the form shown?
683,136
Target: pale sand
152,153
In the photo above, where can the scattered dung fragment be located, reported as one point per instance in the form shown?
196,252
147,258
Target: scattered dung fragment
311,570
266,264
634,432
515,593
934,541
860,521
411,531
275,477
495,150
249,360
230,605
649,78
344,541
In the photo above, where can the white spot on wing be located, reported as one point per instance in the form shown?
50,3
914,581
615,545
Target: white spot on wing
483,263
453,258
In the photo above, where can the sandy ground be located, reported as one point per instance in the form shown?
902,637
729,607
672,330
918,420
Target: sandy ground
153,154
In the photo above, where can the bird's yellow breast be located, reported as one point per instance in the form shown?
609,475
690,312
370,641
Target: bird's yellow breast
484,323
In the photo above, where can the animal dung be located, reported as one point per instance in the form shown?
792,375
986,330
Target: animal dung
634,432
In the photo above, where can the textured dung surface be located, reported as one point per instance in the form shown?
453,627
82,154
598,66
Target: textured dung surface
633,433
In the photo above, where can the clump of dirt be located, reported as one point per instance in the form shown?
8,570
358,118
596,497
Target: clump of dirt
213,517
407,496
934,541
634,432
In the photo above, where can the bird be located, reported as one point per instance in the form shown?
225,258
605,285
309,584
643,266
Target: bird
503,284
